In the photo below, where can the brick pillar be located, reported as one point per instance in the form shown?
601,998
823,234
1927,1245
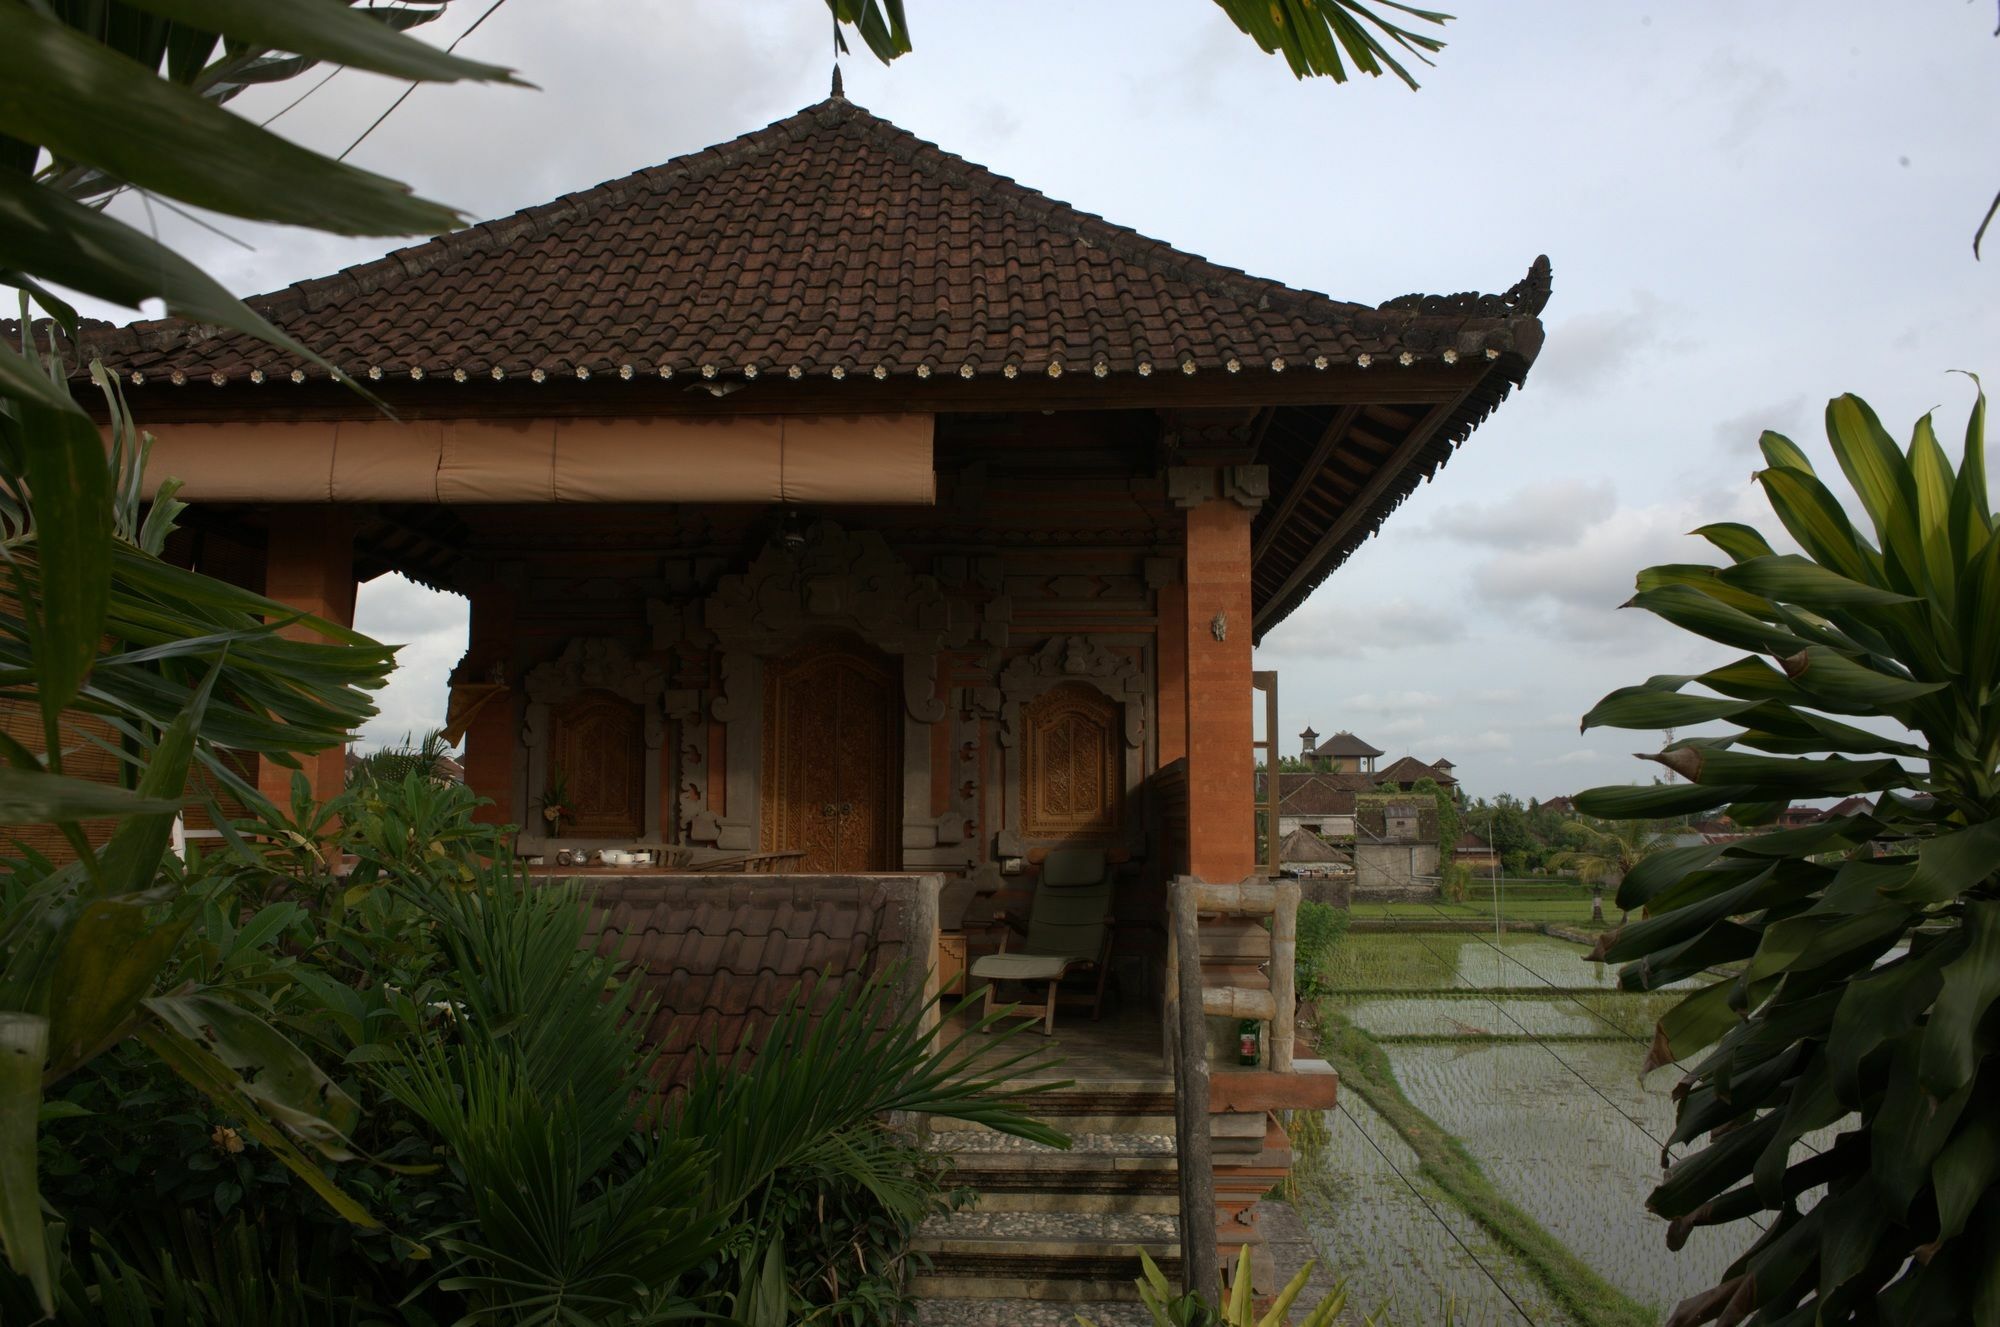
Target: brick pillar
1222,843
1173,655
309,566
490,737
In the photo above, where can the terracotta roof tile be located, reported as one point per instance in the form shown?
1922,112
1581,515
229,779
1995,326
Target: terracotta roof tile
831,242
721,956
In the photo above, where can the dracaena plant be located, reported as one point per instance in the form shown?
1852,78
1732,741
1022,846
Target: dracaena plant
1840,1066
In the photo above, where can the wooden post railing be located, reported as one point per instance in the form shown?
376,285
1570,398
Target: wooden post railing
1187,1035
1191,1002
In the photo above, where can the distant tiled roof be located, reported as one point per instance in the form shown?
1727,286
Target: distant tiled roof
1560,805
1289,782
721,955
1851,806
1302,845
1408,769
1471,843
1371,822
1315,795
826,245
1344,743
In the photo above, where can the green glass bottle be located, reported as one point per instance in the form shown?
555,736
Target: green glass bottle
1247,1034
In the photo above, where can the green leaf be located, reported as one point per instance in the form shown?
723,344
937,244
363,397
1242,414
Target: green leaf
20,378
1931,480
1951,864
1949,1057
1837,683
1646,709
1815,518
85,249
1653,801
1692,610
1880,476
1967,1169
1792,579
1740,542
30,797
70,496
1781,453
273,1073
1875,1009
108,961
24,1040
1779,777
326,30
221,1084
86,103
132,858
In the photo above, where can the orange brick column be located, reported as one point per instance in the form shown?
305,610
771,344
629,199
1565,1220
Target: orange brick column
1222,843
309,565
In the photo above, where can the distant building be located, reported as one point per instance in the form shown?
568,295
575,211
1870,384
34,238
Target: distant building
1395,847
1341,753
1315,804
1562,806
1405,772
1475,852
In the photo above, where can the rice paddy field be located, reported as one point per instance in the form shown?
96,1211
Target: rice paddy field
1528,1055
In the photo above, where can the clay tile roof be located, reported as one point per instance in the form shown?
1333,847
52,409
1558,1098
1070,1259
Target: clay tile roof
1408,769
1344,743
1316,795
826,245
1302,845
720,956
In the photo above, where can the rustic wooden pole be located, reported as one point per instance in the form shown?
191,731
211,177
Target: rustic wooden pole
1200,1268
1284,972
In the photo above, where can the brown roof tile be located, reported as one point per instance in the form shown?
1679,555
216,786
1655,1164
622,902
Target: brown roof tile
827,244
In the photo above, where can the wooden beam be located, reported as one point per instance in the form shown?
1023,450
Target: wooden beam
1328,440
1411,447
1261,1089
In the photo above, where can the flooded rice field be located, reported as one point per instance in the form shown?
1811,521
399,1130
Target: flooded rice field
1443,961
1397,1236
1529,1056
1572,1136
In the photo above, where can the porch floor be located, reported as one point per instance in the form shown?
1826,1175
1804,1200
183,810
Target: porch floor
1123,1048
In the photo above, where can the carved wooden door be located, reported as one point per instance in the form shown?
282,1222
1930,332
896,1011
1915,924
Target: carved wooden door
598,743
832,759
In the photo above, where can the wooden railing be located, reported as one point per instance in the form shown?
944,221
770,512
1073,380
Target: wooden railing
1208,980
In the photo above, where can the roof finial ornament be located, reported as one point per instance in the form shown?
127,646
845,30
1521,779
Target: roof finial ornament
839,93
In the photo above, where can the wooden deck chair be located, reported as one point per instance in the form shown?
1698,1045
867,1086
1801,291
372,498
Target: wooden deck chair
1068,926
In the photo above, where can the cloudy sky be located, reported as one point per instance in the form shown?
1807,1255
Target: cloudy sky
1750,208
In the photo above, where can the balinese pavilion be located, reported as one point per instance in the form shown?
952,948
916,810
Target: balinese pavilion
856,537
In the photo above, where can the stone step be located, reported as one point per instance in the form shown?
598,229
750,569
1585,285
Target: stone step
1029,1313
968,1141
1062,1256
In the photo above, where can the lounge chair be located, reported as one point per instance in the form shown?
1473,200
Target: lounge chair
1068,926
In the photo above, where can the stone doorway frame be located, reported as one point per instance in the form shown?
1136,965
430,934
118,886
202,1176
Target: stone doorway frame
589,663
832,579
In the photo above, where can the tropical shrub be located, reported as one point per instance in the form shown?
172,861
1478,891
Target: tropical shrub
1320,928
1191,1310
1840,1079
507,1153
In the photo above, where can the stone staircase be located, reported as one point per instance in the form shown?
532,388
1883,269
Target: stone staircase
1056,1233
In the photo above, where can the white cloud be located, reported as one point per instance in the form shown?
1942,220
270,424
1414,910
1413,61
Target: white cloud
430,627
1330,626
1552,515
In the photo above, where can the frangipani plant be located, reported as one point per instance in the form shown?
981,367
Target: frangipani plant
1842,1072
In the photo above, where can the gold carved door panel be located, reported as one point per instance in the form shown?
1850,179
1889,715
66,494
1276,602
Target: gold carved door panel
832,759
